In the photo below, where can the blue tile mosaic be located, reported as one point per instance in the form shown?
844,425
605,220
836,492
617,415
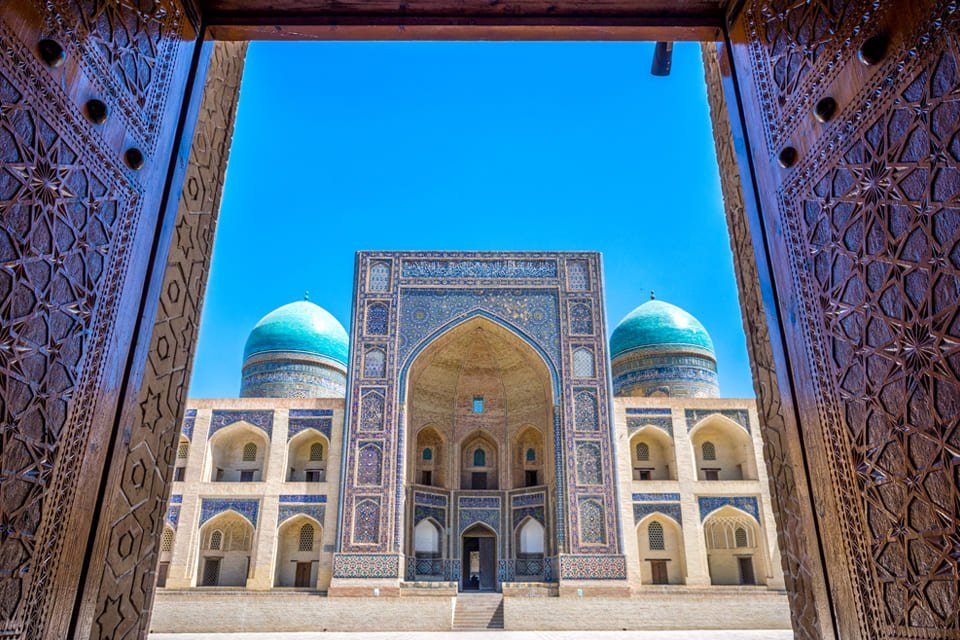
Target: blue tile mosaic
311,413
224,418
186,428
747,504
175,499
248,508
173,516
287,511
537,513
435,499
643,411
656,497
305,499
468,517
670,509
468,502
593,567
481,268
634,423
525,499
421,511
298,425
366,565
740,416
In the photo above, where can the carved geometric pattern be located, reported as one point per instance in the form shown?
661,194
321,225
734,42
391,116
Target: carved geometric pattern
374,363
868,242
380,276
796,535
583,365
797,46
125,591
578,275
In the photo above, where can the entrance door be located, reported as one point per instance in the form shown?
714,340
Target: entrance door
302,579
658,569
479,560
211,572
746,571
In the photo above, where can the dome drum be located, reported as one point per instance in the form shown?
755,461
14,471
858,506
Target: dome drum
661,350
296,351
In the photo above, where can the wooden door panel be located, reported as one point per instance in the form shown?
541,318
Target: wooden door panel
863,228
78,225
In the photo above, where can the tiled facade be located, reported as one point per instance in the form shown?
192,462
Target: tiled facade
354,470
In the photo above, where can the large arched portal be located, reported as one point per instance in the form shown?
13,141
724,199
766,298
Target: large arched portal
479,414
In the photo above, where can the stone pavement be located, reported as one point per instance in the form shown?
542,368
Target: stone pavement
778,634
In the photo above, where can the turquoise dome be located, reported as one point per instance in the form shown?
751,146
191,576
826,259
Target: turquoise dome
299,327
655,324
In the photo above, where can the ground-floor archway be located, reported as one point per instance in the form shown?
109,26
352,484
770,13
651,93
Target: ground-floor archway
479,559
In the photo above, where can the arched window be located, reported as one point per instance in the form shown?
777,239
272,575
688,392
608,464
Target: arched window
531,455
583,363
216,540
306,537
379,276
643,451
709,451
428,454
166,542
479,458
316,452
740,535
655,536
249,452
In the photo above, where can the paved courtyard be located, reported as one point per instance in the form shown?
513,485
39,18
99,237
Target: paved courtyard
778,634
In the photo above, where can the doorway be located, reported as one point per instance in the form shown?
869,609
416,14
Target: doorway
479,559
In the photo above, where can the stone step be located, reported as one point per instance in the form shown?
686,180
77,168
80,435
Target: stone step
478,612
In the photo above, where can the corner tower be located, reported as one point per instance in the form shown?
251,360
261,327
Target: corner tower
298,350
661,350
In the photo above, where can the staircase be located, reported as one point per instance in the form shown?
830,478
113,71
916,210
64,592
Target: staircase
478,612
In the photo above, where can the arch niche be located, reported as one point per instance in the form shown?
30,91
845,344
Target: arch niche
479,413
479,386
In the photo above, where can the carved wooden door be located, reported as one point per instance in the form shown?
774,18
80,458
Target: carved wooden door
91,95
852,117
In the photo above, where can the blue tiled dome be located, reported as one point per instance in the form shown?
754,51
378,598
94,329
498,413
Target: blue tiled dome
657,323
301,327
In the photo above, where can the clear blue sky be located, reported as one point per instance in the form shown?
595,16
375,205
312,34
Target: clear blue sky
458,146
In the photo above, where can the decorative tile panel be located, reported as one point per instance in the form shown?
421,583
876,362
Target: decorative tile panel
468,517
370,464
224,418
537,513
366,565
695,416
422,511
581,318
747,504
377,319
298,425
578,275
371,410
173,515
593,521
287,511
636,423
303,499
589,464
434,499
210,507
175,499
585,410
670,509
527,499
487,268
656,497
189,420
367,521
593,567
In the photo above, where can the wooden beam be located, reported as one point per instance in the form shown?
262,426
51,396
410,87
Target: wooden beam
465,20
